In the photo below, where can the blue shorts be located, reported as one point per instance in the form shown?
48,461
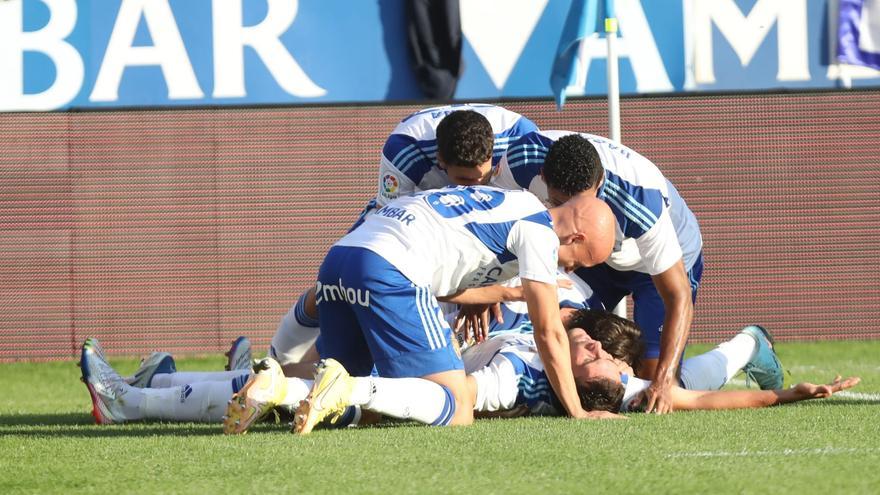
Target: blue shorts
371,314
611,286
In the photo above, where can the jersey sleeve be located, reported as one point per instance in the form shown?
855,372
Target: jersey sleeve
659,246
503,178
536,246
633,387
405,161
497,385
392,183
570,297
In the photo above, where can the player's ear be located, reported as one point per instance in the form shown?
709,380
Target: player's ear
541,172
576,238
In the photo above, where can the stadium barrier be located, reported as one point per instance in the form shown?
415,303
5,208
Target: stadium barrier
182,229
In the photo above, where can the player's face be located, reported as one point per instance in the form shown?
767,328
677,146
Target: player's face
584,349
600,368
470,176
578,255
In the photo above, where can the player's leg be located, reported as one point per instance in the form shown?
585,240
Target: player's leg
713,369
649,311
157,372
115,401
403,332
297,331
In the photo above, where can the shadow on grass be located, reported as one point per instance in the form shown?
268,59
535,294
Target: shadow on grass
83,426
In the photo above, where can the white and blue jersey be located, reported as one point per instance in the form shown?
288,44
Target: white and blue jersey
633,386
463,237
655,227
378,286
409,157
510,375
516,313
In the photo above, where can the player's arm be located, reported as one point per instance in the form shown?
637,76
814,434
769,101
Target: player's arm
552,343
675,290
485,295
746,399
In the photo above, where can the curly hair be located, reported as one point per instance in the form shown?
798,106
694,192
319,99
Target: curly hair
465,139
619,337
600,394
572,165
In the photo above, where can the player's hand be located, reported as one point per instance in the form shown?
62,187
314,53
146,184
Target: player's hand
811,391
659,397
473,321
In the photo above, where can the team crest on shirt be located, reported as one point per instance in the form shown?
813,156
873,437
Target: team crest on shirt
390,186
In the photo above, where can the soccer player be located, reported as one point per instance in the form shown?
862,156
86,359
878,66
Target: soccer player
432,148
444,245
507,377
657,255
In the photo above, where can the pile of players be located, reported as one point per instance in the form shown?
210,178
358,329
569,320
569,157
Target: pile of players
476,282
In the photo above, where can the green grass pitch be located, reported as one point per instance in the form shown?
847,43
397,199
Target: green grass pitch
48,444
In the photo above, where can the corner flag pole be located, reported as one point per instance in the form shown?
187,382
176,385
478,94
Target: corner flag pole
613,95
613,78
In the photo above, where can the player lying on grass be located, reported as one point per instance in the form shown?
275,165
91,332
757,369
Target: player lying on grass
505,375
604,388
206,399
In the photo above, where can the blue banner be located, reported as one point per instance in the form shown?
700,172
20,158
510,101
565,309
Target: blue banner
60,54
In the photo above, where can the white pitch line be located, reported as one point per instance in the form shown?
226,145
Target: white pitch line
845,394
774,453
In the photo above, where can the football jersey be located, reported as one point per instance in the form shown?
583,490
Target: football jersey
516,313
519,379
633,386
462,237
655,227
409,157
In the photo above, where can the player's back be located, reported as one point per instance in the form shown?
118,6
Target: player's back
409,156
456,237
635,189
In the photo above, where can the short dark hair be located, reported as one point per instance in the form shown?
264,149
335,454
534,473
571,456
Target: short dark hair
465,139
601,394
620,337
572,165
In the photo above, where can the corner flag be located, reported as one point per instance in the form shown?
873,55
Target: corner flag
580,23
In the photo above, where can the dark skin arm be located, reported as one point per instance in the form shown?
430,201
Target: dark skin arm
675,290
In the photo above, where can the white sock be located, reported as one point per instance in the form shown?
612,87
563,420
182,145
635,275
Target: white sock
713,369
178,378
204,401
297,390
405,398
295,335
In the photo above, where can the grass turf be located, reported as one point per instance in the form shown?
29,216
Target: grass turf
48,443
